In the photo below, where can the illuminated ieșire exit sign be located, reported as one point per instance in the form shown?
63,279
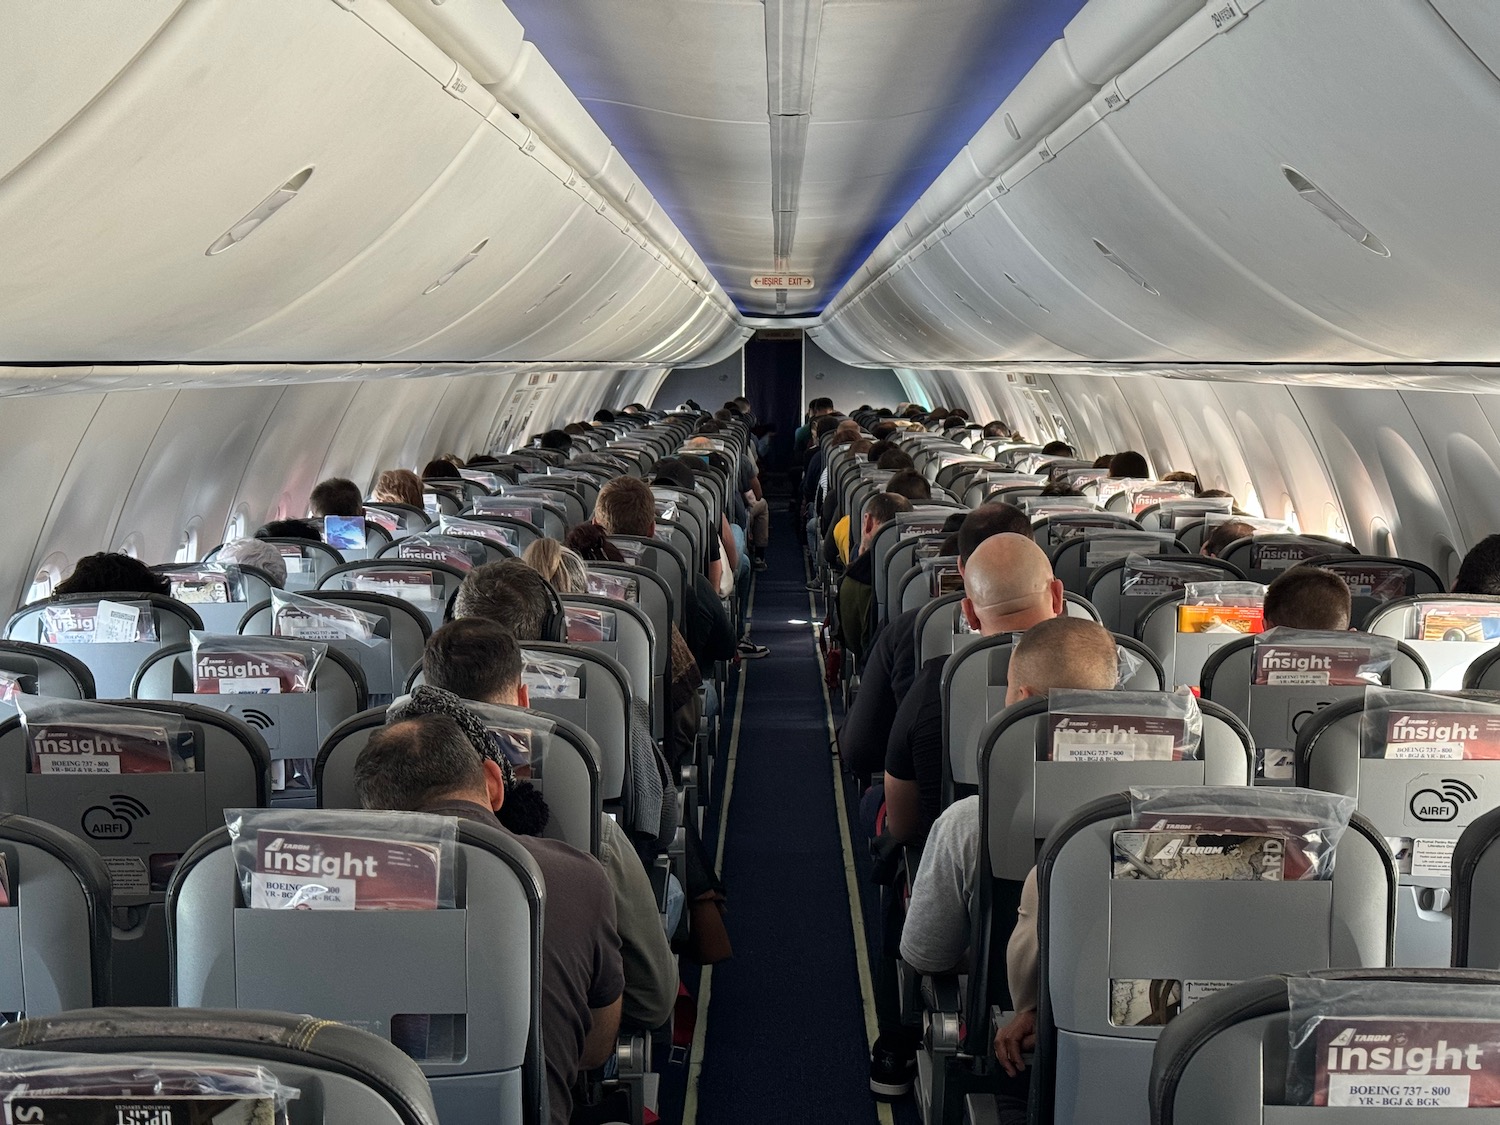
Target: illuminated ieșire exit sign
781,281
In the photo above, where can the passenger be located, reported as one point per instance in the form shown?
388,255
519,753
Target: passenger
559,565
911,484
1057,449
558,440
1184,478
996,430
428,764
856,594
1221,535
479,660
1307,597
1008,587
398,486
290,529
894,460
603,417
336,496
1480,571
1063,653
441,469
254,552
1129,464
1102,461
110,572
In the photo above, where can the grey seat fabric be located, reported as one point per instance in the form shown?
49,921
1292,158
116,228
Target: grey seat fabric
885,556
293,726
164,813
941,629
663,559
252,585
445,581
1119,608
602,708
568,779
55,940
44,670
387,662
1075,560
899,568
1224,1060
1275,714
1264,558
1093,929
1448,661
974,686
1182,655
1328,757
347,1076
1357,570
113,666
656,606
480,961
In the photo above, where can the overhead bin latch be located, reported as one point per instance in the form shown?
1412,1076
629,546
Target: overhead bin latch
461,82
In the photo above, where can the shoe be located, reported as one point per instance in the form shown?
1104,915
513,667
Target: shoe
749,650
891,1071
760,564
814,584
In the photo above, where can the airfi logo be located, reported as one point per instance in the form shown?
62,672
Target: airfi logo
1434,799
115,821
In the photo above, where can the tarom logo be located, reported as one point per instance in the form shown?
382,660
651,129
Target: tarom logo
115,821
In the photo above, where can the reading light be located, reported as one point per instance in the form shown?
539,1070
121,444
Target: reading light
462,262
1330,210
263,211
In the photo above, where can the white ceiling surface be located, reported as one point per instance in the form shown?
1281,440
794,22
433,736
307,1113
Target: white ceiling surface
136,135
1176,165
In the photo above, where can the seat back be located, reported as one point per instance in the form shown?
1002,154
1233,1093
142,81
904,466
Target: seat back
932,577
1264,558
663,559
55,941
68,623
1375,579
219,599
1182,655
306,560
1225,1059
430,587
942,628
565,770
386,660
905,557
1420,803
904,529
1476,894
1275,713
141,823
1052,527
1075,560
1121,589
974,686
41,670
1102,940
543,512
653,600
1448,631
293,725
461,552
595,696
512,534
409,519
473,971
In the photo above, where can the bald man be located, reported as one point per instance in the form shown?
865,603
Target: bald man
1008,588
1066,652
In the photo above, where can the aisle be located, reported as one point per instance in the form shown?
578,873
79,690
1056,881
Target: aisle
785,1037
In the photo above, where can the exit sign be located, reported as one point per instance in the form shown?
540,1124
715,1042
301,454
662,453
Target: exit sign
781,281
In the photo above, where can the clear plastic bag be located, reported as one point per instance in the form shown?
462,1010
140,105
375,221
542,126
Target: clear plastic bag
308,619
1105,545
586,624
1154,576
497,533
1308,822
79,1089
1122,726
941,572
1174,515
343,859
415,586
1321,658
522,737
207,584
1465,621
548,675
448,549
1221,607
100,622
511,507
1430,726
11,686
81,738
1258,524
1282,552
616,587
1036,507
1392,1044
225,665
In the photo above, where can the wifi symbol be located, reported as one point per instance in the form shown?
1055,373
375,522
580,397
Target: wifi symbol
257,719
1459,792
115,821
127,806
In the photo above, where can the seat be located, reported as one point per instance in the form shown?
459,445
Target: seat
401,634
973,689
932,577
1264,558
1094,930
306,560
1276,712
514,535
1224,1060
1421,804
1052,527
200,584
460,552
545,516
896,533
1122,588
1174,515
1375,579
112,665
409,520
664,559
652,597
1182,655
55,924
941,628
1476,897
908,555
430,588
1432,624
141,823
293,725
567,776
43,670
345,1076
1075,560
1023,796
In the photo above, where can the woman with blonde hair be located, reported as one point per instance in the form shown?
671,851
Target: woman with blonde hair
398,486
558,565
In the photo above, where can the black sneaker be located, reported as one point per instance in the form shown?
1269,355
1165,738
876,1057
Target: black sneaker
814,584
891,1071
760,564
749,650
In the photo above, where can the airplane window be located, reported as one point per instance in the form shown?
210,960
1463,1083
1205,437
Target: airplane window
47,577
187,550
